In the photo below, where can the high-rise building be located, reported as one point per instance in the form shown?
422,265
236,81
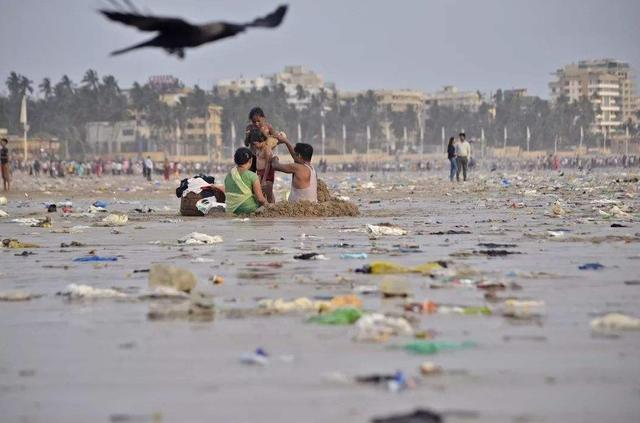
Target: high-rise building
609,85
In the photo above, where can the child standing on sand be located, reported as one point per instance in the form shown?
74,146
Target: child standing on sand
263,153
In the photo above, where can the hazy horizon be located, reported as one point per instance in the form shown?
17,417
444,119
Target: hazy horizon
420,45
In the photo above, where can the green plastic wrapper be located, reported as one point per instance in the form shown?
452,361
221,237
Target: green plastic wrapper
340,316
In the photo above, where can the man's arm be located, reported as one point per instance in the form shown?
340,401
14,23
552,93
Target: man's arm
289,147
285,168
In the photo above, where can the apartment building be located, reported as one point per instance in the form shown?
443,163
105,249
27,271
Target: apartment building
450,96
607,83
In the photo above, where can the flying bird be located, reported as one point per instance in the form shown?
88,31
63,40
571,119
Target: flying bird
175,34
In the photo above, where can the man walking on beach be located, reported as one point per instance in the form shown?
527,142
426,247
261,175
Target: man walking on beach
4,165
463,154
304,182
148,167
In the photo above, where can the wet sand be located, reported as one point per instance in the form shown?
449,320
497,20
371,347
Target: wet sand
104,360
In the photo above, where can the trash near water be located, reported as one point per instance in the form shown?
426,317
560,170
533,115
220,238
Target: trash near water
591,266
116,219
199,308
4,213
341,316
311,256
15,244
615,321
17,296
433,347
383,267
95,259
305,304
519,309
174,277
258,357
354,256
418,416
44,222
197,238
3,201
73,291
377,327
385,229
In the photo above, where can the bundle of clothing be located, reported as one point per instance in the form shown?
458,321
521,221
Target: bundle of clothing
195,185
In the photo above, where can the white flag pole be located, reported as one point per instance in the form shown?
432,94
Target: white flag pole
24,121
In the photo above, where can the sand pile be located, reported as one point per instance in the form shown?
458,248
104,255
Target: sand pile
327,206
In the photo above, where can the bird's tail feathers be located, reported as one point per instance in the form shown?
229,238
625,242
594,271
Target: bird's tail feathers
128,49
272,20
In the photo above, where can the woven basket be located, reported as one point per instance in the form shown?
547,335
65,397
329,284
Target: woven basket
188,204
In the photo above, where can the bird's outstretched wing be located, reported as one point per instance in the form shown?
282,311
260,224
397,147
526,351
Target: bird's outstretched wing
272,20
148,23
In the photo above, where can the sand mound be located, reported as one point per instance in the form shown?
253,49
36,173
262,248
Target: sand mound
332,208
323,192
327,206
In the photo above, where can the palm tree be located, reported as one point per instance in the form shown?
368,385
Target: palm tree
91,79
45,88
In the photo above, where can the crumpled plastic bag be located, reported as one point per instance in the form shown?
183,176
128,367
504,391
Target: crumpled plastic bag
380,230
615,321
377,327
116,219
197,238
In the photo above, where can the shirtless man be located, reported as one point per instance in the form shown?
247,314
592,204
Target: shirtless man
304,182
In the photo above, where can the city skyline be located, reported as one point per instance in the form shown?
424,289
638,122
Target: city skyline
486,54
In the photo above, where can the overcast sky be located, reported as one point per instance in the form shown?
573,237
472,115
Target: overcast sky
358,44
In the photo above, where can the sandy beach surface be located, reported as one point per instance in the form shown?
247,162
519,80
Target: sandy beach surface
105,360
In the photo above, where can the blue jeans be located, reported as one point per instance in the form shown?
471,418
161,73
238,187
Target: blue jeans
454,168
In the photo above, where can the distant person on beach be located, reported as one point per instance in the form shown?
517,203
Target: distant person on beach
242,186
166,168
4,165
451,154
304,180
463,153
148,167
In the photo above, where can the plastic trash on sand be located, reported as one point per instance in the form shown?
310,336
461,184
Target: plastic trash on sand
519,309
171,276
258,357
4,213
354,256
385,229
3,201
418,416
385,267
115,219
591,266
197,238
305,304
615,321
433,347
377,327
341,316
208,204
95,259
74,291
17,296
15,244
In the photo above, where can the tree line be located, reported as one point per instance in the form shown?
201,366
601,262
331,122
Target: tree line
62,109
